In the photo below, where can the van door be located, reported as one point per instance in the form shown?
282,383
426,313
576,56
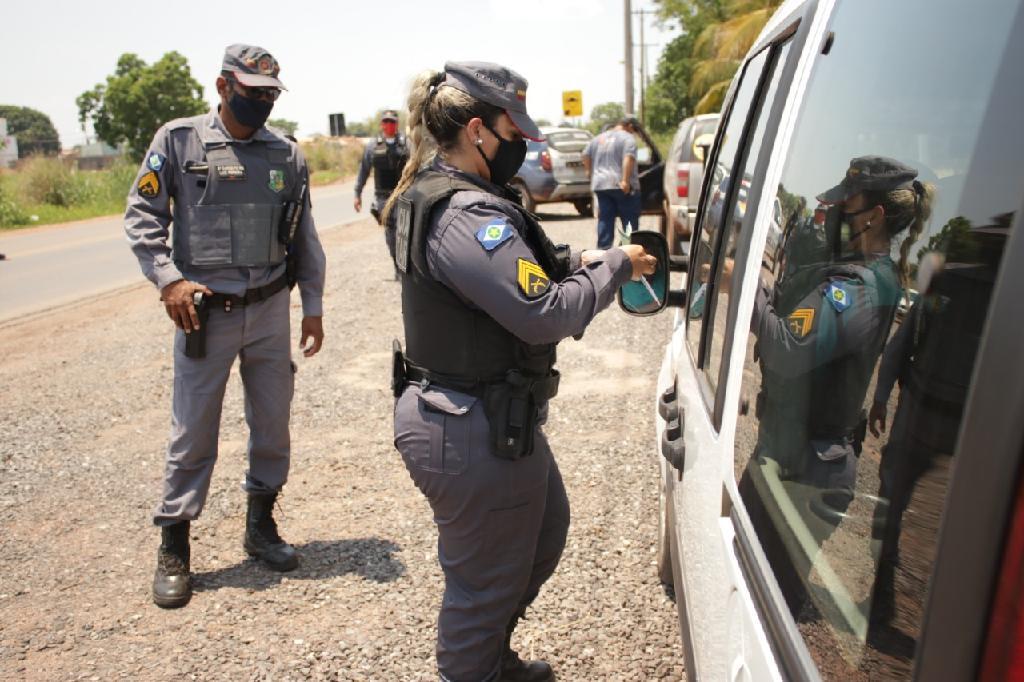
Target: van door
696,495
867,484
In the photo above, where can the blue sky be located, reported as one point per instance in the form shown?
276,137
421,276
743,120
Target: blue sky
352,57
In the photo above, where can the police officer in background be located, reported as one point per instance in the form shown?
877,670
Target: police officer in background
386,155
485,299
236,193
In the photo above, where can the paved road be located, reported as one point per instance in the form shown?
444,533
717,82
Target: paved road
55,265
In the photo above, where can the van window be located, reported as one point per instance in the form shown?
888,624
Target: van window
868,315
719,309
717,193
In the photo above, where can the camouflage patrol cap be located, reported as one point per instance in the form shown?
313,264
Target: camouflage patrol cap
870,173
252,66
496,85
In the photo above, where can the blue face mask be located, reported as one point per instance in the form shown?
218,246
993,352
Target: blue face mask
252,113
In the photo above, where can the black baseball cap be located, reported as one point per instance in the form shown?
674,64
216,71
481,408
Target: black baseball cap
496,85
870,173
252,66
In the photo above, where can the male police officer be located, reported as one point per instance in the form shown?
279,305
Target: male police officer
240,208
387,156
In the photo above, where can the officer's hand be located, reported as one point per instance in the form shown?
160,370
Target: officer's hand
177,298
312,329
643,263
358,204
876,418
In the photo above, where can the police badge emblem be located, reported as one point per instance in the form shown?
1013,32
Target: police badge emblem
276,183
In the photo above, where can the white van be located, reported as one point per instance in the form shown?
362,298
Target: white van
842,495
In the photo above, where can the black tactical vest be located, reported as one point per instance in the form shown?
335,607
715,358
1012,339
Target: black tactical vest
443,333
388,161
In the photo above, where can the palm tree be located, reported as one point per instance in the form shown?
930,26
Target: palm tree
721,47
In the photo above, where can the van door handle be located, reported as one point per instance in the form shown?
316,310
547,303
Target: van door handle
668,407
673,446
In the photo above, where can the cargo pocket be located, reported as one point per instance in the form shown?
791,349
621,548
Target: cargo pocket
209,244
446,414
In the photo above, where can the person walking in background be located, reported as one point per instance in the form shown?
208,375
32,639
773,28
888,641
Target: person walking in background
386,155
228,184
610,160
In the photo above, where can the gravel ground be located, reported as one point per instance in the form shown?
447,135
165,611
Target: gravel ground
85,416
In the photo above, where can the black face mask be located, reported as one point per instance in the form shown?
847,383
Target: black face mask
507,159
252,113
840,230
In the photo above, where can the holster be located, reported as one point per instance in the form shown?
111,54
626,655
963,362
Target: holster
398,374
512,407
195,341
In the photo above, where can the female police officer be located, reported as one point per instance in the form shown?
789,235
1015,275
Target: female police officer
821,330
485,298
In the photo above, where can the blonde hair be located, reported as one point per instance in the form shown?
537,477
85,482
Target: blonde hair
436,116
914,202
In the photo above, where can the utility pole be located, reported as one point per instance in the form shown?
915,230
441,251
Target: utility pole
628,22
643,68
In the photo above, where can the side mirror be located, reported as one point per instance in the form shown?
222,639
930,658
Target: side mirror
650,294
701,147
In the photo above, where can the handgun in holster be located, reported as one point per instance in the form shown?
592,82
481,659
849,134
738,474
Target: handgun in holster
513,408
195,341
398,376
291,217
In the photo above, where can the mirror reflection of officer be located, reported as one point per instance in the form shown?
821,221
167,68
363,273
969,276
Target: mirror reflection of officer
819,336
932,355
228,184
485,299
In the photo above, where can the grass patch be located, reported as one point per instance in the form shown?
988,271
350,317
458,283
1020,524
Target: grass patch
45,190
330,160
324,177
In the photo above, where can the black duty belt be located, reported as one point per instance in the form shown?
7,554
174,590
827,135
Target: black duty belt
542,388
256,295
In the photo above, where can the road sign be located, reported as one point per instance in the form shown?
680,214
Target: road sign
572,102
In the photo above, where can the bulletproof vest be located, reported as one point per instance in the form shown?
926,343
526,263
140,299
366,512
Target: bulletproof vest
388,161
444,333
235,221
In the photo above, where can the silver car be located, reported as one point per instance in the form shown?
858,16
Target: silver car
684,171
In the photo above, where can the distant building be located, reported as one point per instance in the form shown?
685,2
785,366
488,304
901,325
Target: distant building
96,155
8,146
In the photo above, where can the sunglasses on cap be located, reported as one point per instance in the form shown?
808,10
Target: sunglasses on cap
266,94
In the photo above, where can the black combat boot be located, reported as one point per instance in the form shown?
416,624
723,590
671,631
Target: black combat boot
261,538
172,584
515,669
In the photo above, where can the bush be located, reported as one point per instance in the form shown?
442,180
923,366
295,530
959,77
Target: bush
10,213
332,155
48,181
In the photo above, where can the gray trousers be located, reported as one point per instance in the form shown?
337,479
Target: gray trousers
258,335
501,524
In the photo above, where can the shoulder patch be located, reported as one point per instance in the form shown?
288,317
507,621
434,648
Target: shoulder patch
276,183
800,322
839,296
155,161
494,234
149,185
533,281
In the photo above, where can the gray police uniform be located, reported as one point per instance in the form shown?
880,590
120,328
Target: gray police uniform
228,196
817,347
486,297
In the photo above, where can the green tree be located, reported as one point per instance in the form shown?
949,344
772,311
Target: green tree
608,113
138,98
33,129
284,125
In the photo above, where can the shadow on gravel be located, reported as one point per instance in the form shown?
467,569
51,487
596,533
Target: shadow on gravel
370,558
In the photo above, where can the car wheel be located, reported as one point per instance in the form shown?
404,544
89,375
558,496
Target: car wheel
584,207
664,552
528,203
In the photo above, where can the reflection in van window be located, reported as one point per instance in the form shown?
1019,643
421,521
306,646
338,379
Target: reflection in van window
893,210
